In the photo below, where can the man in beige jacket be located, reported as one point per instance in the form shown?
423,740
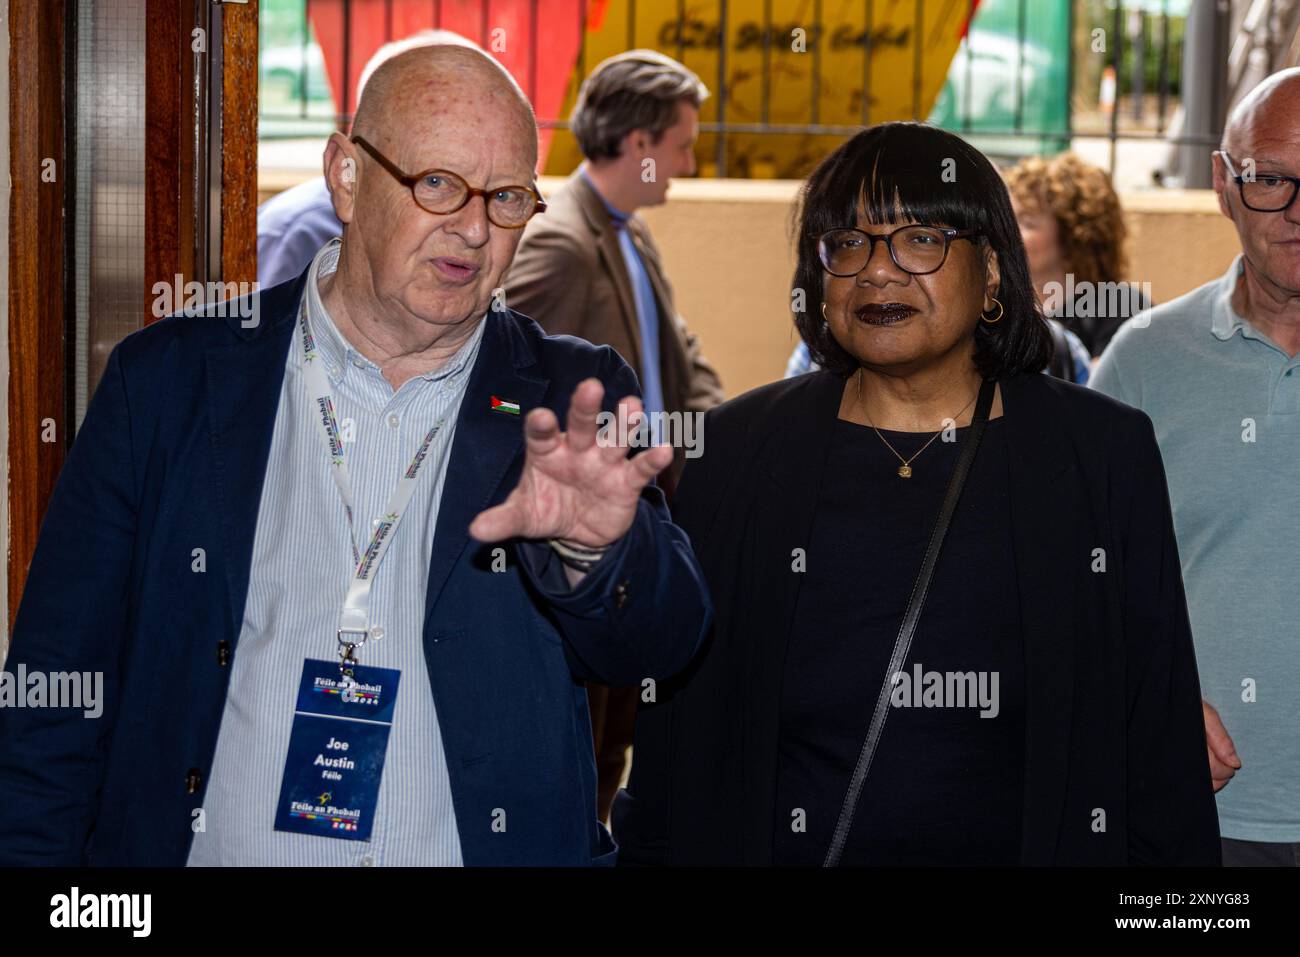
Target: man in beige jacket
589,268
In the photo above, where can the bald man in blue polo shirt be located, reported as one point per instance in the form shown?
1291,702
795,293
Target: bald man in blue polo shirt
1217,372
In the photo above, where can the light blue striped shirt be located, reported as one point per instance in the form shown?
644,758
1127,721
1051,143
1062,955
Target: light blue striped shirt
300,571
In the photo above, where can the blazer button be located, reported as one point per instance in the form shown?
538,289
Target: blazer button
192,781
621,592
223,653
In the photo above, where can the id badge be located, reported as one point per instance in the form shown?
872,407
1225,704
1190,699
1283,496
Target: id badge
336,752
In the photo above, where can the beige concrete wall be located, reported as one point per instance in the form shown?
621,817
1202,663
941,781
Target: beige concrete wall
726,246
1178,239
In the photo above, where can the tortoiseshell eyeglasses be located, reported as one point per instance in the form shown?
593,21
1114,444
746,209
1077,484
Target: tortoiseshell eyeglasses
442,192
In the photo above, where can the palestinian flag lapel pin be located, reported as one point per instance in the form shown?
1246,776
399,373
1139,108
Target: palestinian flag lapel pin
505,405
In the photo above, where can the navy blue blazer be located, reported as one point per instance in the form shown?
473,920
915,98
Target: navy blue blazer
170,458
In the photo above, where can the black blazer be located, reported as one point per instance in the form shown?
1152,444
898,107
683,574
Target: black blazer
1115,769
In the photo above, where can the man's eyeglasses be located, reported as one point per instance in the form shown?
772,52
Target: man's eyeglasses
1265,192
918,250
442,192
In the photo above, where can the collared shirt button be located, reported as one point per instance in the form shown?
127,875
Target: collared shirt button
367,861
621,592
393,419
334,371
358,362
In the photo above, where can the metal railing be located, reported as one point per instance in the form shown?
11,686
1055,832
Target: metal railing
1141,46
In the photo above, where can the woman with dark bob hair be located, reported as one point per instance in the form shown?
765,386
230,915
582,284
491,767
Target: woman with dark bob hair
949,618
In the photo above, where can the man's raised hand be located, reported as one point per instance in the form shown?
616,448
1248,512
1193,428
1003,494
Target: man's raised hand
572,487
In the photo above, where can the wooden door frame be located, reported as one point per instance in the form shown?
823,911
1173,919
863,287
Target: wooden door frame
37,366
38,304
187,157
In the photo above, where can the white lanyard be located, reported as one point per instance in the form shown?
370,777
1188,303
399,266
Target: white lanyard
354,621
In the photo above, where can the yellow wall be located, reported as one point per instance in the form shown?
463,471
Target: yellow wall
725,244
799,56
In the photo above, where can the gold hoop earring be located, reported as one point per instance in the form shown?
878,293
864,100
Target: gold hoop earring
823,309
999,316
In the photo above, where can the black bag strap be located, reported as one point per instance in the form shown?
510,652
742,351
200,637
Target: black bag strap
910,618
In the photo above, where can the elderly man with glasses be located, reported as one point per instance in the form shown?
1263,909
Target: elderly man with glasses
1218,371
340,567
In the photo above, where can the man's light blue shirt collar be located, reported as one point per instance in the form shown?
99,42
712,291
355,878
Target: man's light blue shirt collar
617,215
1226,321
339,354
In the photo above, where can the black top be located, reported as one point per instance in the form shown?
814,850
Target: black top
945,786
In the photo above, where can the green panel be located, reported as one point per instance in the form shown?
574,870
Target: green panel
981,93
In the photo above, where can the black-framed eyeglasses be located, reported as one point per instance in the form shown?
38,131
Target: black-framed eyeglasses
918,250
442,192
1263,192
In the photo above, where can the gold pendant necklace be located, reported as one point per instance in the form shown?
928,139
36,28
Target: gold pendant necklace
905,469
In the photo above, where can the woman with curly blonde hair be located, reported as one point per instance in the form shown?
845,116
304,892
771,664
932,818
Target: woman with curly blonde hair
1074,234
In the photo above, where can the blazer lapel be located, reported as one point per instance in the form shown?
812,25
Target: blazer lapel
611,256
676,371
654,268
1049,559
788,474
486,442
244,380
